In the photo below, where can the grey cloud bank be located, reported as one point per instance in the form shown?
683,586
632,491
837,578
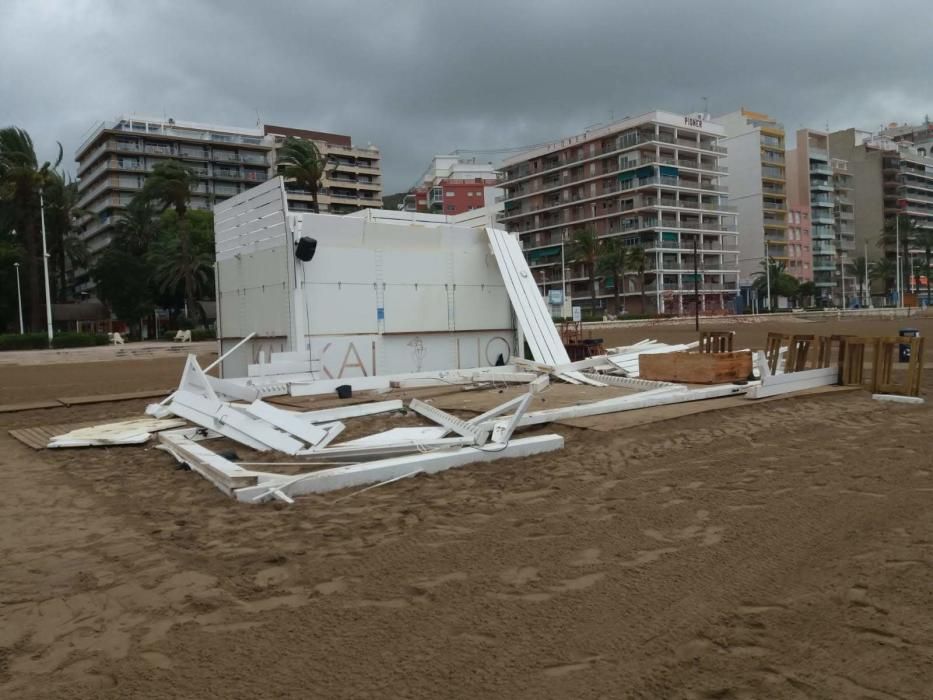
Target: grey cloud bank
418,78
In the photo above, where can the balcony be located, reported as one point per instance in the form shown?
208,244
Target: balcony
821,169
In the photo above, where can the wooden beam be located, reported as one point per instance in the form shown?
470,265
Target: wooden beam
696,368
383,470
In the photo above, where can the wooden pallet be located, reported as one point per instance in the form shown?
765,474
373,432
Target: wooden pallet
38,437
717,341
696,368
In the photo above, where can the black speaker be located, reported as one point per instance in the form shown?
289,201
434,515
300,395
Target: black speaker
305,248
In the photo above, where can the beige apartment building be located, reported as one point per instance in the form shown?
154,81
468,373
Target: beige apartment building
889,177
654,181
756,160
821,183
352,176
115,158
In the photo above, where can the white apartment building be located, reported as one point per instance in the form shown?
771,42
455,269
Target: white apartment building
757,187
655,182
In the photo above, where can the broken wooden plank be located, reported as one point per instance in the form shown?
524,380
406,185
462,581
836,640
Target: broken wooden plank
451,422
696,368
287,421
383,470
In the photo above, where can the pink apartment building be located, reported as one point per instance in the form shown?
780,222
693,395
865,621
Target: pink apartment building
799,252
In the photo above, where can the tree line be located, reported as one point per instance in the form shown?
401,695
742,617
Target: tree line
161,252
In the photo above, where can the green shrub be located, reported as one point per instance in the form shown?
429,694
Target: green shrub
25,341
40,341
203,334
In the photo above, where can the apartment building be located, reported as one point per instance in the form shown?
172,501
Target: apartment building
755,145
115,158
799,251
822,183
352,177
453,185
655,182
888,177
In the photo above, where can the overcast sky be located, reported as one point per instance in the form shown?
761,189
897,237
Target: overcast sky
419,78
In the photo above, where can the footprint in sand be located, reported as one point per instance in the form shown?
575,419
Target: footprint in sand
588,557
519,575
434,582
337,585
271,576
578,584
563,669
157,660
647,556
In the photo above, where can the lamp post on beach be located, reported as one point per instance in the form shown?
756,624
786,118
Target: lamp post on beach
19,298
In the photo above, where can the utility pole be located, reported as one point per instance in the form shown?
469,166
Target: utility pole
897,257
768,279
867,280
19,298
842,266
45,264
696,287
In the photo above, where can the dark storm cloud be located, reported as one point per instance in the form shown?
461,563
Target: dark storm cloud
418,78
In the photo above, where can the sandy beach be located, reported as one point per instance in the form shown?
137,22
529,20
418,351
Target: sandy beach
773,550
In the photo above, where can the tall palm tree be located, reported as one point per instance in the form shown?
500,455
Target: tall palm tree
924,239
638,263
174,266
772,272
860,278
170,185
884,270
904,229
61,214
585,249
22,180
137,226
301,161
611,263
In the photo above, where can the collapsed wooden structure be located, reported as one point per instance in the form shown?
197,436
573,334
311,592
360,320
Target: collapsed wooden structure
654,373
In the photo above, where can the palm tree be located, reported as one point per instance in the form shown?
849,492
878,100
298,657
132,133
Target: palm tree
300,160
174,266
638,263
61,213
806,291
924,239
860,280
884,270
611,262
137,227
170,184
904,229
782,283
22,180
585,248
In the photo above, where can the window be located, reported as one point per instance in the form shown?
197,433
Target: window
450,194
469,194
450,207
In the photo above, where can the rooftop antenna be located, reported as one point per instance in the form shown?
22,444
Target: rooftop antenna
258,118
706,107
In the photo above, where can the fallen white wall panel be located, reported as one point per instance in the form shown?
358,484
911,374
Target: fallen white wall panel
326,415
233,423
503,433
451,422
787,383
128,432
220,471
383,470
645,399
527,303
631,382
284,420
895,398
303,385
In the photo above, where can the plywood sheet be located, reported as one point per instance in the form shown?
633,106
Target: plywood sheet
696,368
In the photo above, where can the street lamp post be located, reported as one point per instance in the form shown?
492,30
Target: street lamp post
19,299
45,264
897,257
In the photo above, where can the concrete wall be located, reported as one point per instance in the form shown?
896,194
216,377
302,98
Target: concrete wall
744,163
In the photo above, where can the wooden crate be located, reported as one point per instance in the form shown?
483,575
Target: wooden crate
696,368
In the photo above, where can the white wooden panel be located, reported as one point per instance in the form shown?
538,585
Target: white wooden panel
424,267
533,316
340,265
415,310
341,309
481,308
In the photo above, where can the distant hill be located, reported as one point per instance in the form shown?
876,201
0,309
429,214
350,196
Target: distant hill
391,201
